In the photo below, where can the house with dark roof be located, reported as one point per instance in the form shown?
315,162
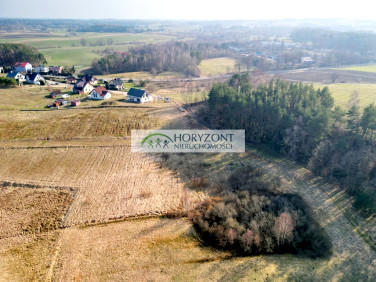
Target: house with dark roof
55,93
42,68
116,83
89,78
34,78
75,103
100,93
82,87
71,80
23,66
16,75
139,96
56,69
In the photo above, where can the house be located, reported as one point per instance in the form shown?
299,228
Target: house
57,103
55,93
75,103
116,83
90,78
23,66
1,69
42,68
71,80
100,93
16,75
56,69
34,78
308,61
139,96
82,87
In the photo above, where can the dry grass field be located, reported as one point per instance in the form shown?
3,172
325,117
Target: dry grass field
109,182
166,249
341,93
71,189
216,66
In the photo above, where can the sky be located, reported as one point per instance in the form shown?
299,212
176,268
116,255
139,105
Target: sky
188,9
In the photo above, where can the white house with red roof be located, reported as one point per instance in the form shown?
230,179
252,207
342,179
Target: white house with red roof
100,93
23,66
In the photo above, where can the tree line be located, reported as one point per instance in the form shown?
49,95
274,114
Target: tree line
182,57
361,42
300,121
11,53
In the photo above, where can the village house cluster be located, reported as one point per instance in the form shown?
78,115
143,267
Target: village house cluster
24,72
87,84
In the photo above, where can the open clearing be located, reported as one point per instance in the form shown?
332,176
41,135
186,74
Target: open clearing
366,68
341,93
216,66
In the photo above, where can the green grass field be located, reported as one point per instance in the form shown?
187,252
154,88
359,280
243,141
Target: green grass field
68,51
341,93
367,68
216,66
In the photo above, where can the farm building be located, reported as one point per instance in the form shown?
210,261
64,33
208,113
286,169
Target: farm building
139,96
82,87
116,83
308,61
60,103
16,75
42,68
71,80
75,103
34,78
55,93
56,69
23,66
89,78
100,93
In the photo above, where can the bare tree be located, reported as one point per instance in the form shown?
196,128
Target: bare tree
83,41
283,227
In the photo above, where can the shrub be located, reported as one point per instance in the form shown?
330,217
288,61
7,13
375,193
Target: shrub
365,202
8,82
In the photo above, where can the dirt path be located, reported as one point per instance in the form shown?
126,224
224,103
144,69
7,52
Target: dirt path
329,205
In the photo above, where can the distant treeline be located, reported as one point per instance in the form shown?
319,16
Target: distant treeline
131,28
73,25
300,121
182,57
319,38
12,53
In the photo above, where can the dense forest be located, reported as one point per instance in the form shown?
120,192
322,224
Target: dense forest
255,218
12,53
297,120
182,57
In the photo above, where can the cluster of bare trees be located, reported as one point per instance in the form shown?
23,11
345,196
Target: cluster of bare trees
253,220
